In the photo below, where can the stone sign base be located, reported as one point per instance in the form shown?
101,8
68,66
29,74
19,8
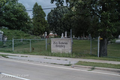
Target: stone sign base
61,45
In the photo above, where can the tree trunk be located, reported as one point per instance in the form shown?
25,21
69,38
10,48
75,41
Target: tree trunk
103,47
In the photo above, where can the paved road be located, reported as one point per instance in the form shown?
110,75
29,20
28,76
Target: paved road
24,70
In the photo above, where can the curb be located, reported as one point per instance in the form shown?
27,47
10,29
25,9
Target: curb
98,68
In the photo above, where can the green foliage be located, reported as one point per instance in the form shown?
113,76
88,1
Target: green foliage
108,16
14,16
81,18
2,2
102,17
5,56
39,22
58,2
97,17
55,20
16,34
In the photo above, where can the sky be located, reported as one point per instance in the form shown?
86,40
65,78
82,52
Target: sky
30,3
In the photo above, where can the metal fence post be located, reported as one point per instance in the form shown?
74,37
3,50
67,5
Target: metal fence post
90,43
98,45
13,44
30,45
46,43
71,40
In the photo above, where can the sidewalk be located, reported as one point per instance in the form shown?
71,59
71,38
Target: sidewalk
62,61
57,60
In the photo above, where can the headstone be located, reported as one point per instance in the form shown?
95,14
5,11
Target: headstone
62,36
5,38
1,35
85,38
65,34
61,45
73,36
119,37
78,38
45,34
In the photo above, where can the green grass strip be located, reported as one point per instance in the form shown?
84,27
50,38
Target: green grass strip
3,55
106,65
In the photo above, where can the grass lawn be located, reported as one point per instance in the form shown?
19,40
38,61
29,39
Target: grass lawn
114,50
81,49
17,34
117,66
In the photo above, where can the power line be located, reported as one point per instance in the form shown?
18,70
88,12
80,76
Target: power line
43,9
49,6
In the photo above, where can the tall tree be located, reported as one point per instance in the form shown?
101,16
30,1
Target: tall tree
108,19
55,20
118,22
15,16
58,2
2,3
39,21
104,18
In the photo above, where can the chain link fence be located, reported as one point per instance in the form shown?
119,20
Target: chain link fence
6,46
28,45
81,48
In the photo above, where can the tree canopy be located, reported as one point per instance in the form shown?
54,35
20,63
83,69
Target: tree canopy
39,22
14,16
96,17
55,20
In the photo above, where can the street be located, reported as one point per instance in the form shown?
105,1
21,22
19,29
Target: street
24,70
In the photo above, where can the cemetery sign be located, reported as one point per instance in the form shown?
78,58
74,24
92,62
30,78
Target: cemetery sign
61,45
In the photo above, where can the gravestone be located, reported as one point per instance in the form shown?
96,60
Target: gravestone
1,35
119,37
61,45
73,36
65,34
4,40
78,38
45,34
62,36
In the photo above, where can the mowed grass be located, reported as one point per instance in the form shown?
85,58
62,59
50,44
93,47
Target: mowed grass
114,50
36,46
81,46
94,64
81,49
